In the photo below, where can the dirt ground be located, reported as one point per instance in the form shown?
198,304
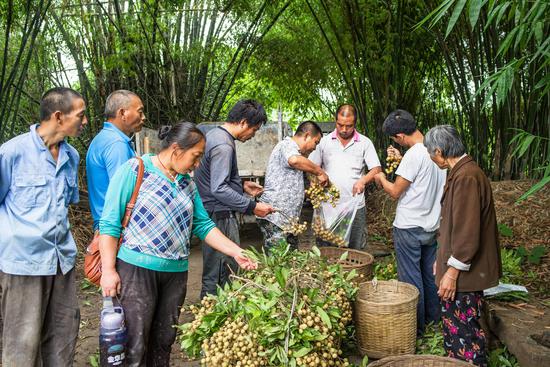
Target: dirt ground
529,220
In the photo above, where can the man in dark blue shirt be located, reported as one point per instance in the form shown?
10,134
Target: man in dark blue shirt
222,190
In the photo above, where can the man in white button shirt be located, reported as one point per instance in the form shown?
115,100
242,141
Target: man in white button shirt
344,154
418,188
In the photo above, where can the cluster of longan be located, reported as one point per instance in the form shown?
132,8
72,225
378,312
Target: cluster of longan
294,226
233,345
326,352
327,235
318,309
392,162
342,303
206,307
316,359
318,194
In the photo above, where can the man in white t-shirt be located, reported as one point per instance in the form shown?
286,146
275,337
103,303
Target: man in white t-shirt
344,154
418,188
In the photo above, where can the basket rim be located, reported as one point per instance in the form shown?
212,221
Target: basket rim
408,299
345,249
419,357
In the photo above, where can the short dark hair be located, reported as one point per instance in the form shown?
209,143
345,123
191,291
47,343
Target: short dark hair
185,134
345,109
399,122
116,100
308,127
57,99
249,110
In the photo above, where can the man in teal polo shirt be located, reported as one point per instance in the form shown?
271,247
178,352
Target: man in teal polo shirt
112,146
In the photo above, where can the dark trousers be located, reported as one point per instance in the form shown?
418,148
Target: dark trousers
41,319
216,267
151,301
357,239
463,336
273,235
415,250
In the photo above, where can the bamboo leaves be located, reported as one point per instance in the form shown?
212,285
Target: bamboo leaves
23,23
524,142
536,187
435,16
454,17
474,10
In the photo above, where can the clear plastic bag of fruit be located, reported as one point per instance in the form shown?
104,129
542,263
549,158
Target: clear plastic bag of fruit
333,224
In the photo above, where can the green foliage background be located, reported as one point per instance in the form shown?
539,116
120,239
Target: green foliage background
480,65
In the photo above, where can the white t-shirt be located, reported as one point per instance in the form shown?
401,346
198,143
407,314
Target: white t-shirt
420,204
344,165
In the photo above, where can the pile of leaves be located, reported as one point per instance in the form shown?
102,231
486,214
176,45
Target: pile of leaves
294,310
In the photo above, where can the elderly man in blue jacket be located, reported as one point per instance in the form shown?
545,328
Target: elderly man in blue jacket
38,181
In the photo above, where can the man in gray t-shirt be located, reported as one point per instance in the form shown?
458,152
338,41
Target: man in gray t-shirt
284,182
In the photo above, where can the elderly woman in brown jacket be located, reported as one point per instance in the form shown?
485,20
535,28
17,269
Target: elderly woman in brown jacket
468,257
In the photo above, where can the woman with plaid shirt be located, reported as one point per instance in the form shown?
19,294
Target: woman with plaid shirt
149,272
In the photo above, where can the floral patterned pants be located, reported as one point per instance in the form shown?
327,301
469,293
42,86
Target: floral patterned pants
462,334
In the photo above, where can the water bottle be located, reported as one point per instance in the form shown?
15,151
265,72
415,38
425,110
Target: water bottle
112,335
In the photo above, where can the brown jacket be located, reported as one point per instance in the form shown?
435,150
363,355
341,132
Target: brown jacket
468,229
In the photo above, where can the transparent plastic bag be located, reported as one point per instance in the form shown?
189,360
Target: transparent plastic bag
333,223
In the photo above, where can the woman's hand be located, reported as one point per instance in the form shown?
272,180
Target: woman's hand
447,285
110,283
218,241
245,262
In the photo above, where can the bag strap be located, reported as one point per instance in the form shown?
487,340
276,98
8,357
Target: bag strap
133,198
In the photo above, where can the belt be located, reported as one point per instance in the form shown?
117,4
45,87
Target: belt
224,214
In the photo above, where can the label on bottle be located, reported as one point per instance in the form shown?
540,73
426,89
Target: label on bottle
114,355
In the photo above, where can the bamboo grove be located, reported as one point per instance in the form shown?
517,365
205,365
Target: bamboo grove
479,65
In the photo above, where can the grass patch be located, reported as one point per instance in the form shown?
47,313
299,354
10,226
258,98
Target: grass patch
432,341
386,268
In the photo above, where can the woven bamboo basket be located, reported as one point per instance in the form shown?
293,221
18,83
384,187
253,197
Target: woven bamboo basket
359,260
419,361
385,318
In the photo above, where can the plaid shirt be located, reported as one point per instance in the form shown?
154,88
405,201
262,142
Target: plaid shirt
162,218
165,216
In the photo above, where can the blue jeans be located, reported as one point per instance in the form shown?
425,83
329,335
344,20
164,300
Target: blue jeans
415,250
357,239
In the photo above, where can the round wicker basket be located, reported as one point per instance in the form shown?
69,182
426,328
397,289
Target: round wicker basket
385,318
359,260
419,361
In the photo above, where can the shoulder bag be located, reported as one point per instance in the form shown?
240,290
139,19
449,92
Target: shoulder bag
92,258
